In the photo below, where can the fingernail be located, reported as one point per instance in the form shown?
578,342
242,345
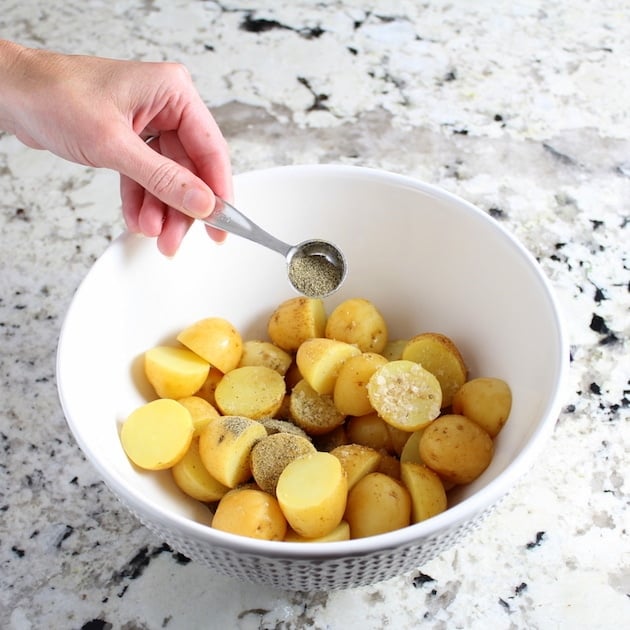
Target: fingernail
197,202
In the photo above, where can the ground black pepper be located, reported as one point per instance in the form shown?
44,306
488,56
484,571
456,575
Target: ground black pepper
314,275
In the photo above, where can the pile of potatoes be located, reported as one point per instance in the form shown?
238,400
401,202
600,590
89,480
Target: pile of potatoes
329,430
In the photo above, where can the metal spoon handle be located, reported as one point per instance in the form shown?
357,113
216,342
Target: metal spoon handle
226,217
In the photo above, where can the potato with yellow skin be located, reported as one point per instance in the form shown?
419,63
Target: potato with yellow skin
174,372
350,391
486,401
256,352
206,391
394,349
428,496
252,513
357,460
438,354
252,391
312,492
201,412
157,435
377,504
216,340
192,477
296,320
456,448
225,447
320,360
341,532
369,430
357,321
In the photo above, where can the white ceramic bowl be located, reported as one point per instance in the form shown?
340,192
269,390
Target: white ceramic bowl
430,262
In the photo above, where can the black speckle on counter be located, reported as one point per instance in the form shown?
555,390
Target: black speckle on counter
598,324
561,157
595,389
318,99
496,213
520,588
17,551
96,624
504,604
421,578
259,25
65,534
536,543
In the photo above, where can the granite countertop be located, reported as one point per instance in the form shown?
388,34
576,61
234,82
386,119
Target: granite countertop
520,108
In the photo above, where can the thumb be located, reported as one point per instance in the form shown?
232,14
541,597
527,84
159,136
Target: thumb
169,181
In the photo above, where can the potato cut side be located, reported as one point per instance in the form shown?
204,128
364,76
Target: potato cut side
266,354
201,412
405,395
296,320
341,532
157,435
357,321
250,512
320,360
252,391
312,492
428,496
225,447
439,355
192,477
411,450
214,339
357,460
314,413
174,372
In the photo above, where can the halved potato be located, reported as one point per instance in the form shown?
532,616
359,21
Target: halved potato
296,320
357,321
174,372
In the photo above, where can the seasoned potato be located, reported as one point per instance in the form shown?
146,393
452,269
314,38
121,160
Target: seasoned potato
428,496
440,356
215,340
266,354
314,413
252,391
377,504
174,372
250,512
320,360
486,401
369,430
274,425
192,477
405,395
201,412
350,391
312,492
341,532
225,447
389,465
456,448
296,320
272,454
157,435
357,321
357,460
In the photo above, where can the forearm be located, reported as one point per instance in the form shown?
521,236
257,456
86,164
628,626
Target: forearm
14,61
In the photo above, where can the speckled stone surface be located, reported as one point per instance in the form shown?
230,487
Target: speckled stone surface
520,108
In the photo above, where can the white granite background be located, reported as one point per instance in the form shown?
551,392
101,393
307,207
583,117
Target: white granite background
522,109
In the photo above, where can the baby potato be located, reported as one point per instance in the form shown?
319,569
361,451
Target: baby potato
411,450
357,321
174,372
201,412
394,349
341,532
312,492
405,395
250,512
266,354
428,496
398,439
314,413
456,448
272,454
377,504
225,447
369,430
486,401
215,340
157,435
389,465
252,391
350,391
357,460
440,356
274,425
192,477
319,361
206,391
296,320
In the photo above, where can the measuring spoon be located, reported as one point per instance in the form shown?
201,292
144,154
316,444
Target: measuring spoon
315,268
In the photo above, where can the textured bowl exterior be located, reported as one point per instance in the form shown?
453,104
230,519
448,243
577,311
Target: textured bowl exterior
429,261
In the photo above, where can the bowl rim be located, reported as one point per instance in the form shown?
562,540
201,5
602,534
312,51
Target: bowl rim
414,534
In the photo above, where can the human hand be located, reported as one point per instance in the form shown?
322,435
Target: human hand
97,111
